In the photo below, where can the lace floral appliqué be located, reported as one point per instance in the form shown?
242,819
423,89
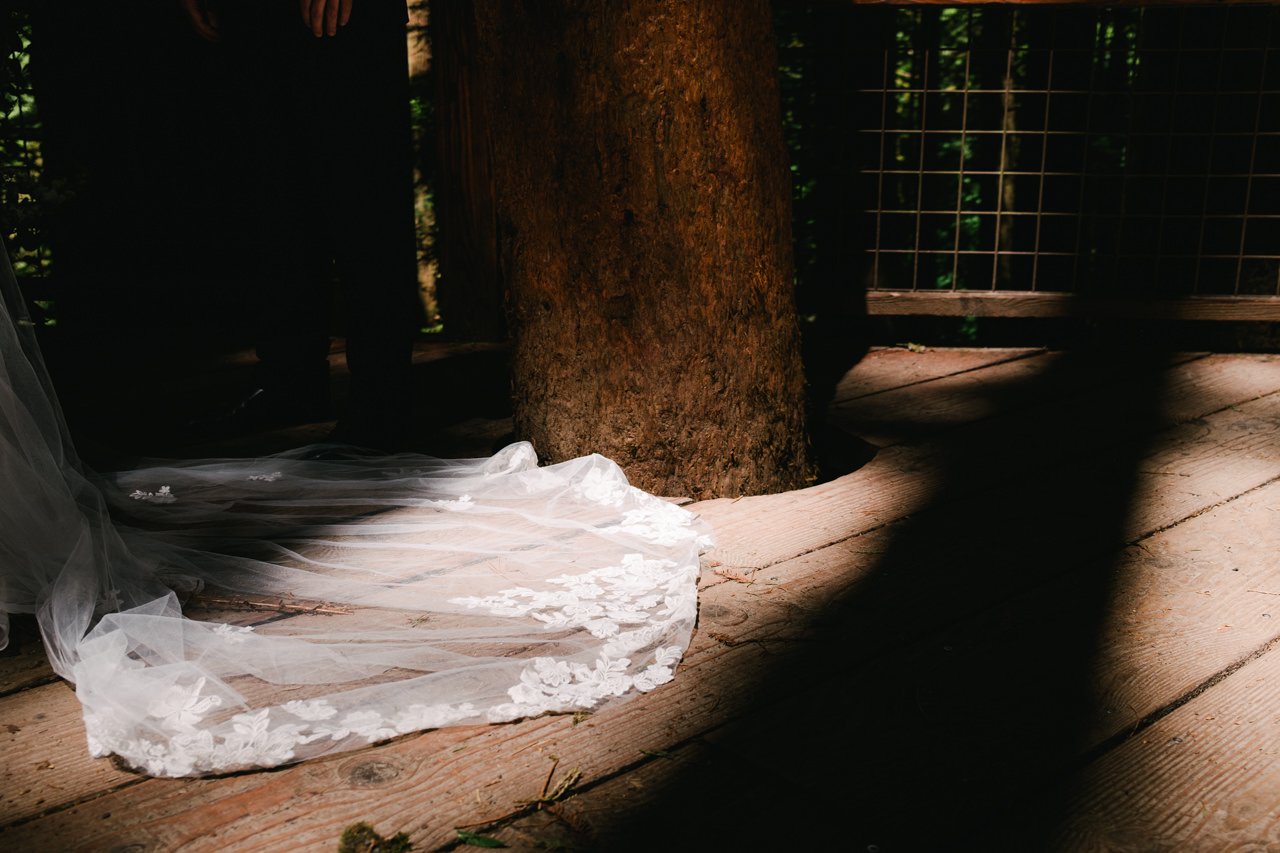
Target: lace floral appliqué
163,496
650,593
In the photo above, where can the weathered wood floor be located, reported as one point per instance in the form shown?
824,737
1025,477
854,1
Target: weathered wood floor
1045,616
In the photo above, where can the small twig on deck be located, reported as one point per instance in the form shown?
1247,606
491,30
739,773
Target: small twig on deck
280,606
548,799
734,576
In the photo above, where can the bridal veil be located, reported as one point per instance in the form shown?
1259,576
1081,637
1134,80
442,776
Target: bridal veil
349,598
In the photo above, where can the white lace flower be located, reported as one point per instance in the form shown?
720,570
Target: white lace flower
651,677
233,633
464,502
181,708
667,655
505,712
369,725
310,710
553,672
609,678
601,627
419,717
605,489
255,742
164,496
267,478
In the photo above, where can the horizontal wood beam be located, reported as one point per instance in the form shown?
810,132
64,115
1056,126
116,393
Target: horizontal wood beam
952,303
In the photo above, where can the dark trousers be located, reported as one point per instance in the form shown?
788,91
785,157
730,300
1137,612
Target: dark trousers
328,126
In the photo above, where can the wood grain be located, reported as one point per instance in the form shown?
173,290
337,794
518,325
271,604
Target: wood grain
1219,446
1203,778
46,762
26,667
976,303
884,369
897,482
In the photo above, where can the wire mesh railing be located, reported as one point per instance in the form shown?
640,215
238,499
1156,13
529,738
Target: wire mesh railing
1033,159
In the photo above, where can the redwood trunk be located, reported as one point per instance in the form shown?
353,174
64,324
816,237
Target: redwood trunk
643,205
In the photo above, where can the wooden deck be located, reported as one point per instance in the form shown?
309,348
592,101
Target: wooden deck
1046,615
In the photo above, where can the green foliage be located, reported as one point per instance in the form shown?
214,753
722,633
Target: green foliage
27,200
363,838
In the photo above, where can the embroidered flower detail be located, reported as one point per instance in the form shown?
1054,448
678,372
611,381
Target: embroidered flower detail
661,523
233,633
556,685
163,496
181,708
419,717
254,741
463,502
311,710
600,599
601,488
369,725
266,478
651,677
666,655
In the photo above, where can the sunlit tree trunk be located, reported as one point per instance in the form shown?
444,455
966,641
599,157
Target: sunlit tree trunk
643,232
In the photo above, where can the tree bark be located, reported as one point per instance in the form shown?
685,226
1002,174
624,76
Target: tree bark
643,203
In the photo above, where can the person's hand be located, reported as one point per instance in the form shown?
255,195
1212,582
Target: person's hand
323,17
203,20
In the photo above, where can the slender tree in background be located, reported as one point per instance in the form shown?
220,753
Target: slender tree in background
470,287
642,201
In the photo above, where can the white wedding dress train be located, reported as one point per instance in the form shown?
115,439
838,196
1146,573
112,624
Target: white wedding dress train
359,598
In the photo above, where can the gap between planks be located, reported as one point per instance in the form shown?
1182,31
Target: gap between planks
694,660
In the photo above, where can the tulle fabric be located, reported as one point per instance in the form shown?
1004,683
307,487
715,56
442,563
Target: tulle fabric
346,598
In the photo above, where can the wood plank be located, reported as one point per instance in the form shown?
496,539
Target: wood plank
900,480
431,782
28,666
917,411
44,759
756,618
41,727
1164,639
886,368
1190,469
975,710
759,813
1187,601
1204,777
717,682
899,414
978,303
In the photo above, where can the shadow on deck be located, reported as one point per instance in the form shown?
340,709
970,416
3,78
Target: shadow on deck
1040,617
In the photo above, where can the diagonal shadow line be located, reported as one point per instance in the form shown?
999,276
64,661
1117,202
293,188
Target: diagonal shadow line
898,723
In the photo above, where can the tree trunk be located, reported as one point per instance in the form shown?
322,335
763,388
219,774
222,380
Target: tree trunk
643,204
469,288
